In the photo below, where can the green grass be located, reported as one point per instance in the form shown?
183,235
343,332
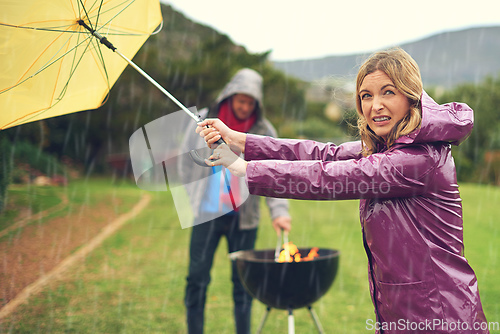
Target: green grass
134,282
34,199
482,242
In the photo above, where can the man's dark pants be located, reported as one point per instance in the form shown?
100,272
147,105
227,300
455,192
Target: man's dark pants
204,240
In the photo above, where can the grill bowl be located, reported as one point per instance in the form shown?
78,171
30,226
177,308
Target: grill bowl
288,285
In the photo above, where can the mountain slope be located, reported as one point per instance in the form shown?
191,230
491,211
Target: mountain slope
445,59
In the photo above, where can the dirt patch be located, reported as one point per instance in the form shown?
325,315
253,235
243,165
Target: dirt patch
32,251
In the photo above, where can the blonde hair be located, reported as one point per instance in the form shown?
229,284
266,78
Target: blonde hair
400,67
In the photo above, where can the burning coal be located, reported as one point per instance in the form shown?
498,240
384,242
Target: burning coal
290,253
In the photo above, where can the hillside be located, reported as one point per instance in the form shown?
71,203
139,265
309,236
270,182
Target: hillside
445,59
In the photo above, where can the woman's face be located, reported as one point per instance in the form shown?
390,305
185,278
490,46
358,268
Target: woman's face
382,104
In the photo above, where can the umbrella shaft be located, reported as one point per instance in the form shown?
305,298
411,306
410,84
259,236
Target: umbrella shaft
101,38
106,42
163,90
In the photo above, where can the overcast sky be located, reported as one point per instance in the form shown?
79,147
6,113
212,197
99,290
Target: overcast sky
299,29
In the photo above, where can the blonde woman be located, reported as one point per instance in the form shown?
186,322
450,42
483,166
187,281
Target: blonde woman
403,173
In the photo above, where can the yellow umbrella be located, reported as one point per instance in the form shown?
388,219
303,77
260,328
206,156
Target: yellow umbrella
53,57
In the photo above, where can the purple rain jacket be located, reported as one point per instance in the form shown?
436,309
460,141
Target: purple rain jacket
410,212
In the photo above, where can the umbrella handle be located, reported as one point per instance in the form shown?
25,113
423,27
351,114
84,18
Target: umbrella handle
198,159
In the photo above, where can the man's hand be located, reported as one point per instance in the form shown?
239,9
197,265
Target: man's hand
282,223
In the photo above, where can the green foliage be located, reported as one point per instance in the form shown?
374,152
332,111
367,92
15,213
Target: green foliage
21,161
484,99
311,122
284,97
33,161
23,198
5,169
316,128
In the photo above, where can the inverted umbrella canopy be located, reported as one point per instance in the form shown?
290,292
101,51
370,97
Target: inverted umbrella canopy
52,65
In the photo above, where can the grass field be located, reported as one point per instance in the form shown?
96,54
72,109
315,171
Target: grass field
134,282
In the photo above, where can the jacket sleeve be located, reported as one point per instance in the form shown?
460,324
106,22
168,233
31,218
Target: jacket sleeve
264,148
278,207
398,173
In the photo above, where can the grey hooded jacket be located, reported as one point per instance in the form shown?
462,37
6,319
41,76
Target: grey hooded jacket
249,82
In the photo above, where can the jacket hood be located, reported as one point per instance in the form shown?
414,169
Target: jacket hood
245,81
450,122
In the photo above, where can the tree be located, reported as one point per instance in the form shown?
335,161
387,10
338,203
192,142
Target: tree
484,99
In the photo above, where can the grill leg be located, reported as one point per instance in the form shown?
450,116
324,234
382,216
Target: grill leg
268,309
291,323
316,320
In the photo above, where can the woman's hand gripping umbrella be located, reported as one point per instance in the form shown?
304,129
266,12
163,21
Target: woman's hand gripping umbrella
213,130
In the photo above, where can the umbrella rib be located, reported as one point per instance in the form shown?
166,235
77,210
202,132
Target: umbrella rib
89,15
63,91
97,28
137,32
67,31
51,29
86,14
125,29
101,58
39,70
100,61
71,72
73,8
41,111
55,86
112,8
98,14
47,64
89,10
114,16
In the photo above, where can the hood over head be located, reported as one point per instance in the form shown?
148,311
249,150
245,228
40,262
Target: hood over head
245,81
450,122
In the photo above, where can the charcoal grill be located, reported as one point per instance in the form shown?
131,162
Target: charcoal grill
287,285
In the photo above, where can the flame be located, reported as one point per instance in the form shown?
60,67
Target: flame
290,253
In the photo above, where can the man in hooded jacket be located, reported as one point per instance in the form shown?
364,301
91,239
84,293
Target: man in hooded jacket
240,106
